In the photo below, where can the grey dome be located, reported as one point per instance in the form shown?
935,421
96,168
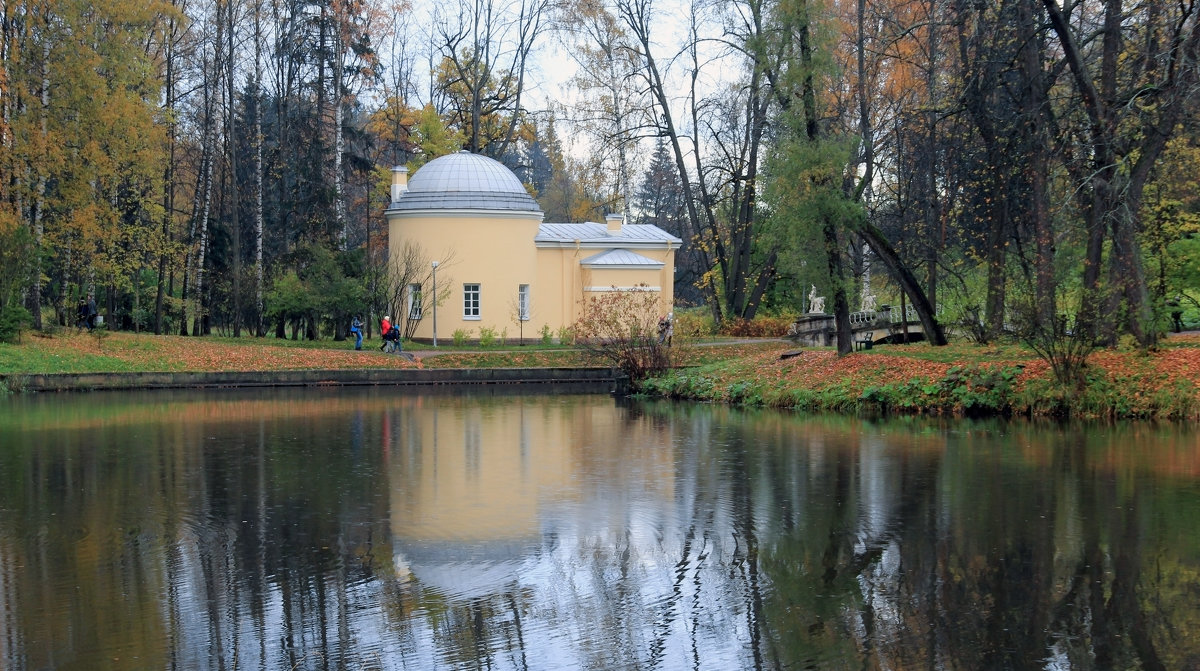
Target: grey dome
465,181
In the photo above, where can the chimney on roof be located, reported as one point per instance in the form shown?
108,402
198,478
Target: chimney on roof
614,221
399,182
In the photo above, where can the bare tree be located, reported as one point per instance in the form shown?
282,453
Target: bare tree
719,140
408,286
614,111
485,47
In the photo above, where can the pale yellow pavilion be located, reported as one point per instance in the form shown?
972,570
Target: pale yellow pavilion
504,262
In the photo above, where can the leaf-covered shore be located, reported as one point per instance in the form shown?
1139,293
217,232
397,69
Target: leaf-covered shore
955,380
961,379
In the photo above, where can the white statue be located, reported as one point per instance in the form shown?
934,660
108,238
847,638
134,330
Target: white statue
816,304
868,303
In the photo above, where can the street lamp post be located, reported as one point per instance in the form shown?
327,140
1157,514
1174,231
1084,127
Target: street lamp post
435,265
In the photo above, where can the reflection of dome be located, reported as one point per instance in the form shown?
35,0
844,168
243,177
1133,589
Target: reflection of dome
465,570
465,181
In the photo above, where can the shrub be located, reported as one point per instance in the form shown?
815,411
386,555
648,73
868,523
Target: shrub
1060,343
693,323
566,335
621,327
460,337
17,252
980,390
487,336
547,334
14,318
759,327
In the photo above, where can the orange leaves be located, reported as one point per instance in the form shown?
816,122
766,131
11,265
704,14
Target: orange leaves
145,353
1166,366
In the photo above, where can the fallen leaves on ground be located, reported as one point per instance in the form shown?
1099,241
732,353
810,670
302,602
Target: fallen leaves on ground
120,352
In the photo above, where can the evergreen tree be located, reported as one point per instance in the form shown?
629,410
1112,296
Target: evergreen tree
659,201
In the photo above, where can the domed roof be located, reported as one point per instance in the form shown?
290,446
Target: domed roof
465,181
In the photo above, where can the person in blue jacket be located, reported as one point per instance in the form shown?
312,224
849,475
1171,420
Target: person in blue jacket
356,329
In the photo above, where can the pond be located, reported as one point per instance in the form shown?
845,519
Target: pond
375,529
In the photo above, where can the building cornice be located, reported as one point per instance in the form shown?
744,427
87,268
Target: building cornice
640,287
622,266
610,243
392,213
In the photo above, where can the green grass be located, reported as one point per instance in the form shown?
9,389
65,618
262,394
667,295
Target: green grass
506,359
16,358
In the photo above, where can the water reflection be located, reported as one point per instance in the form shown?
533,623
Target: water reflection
358,529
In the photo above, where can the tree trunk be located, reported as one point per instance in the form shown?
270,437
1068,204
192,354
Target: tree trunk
259,320
339,140
908,282
233,200
168,175
841,307
39,202
198,326
1036,107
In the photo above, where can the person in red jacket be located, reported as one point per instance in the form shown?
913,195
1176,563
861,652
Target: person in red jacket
385,327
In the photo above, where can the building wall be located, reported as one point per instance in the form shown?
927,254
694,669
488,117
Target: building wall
563,282
487,473
558,288
493,250
497,251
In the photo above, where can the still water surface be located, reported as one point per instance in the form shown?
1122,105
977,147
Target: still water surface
361,529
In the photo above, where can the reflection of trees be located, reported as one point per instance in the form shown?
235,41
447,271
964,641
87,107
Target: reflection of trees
192,537
694,537
965,573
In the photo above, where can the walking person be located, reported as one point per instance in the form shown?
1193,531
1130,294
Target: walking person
1176,313
81,316
356,329
385,329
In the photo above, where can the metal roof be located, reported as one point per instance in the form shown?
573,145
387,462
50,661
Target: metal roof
620,258
592,232
465,181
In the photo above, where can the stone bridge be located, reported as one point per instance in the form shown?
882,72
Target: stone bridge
870,327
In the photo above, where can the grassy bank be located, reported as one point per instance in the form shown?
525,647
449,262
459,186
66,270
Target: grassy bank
69,351
73,352
960,379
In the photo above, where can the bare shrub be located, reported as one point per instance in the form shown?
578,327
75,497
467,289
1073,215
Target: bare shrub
1058,340
621,328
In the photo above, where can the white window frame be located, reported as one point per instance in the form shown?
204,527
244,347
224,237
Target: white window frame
472,293
523,302
415,309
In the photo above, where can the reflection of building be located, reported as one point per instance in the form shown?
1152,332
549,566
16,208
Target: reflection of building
499,260
477,488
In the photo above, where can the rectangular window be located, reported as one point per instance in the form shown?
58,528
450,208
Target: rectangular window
414,301
470,301
523,303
